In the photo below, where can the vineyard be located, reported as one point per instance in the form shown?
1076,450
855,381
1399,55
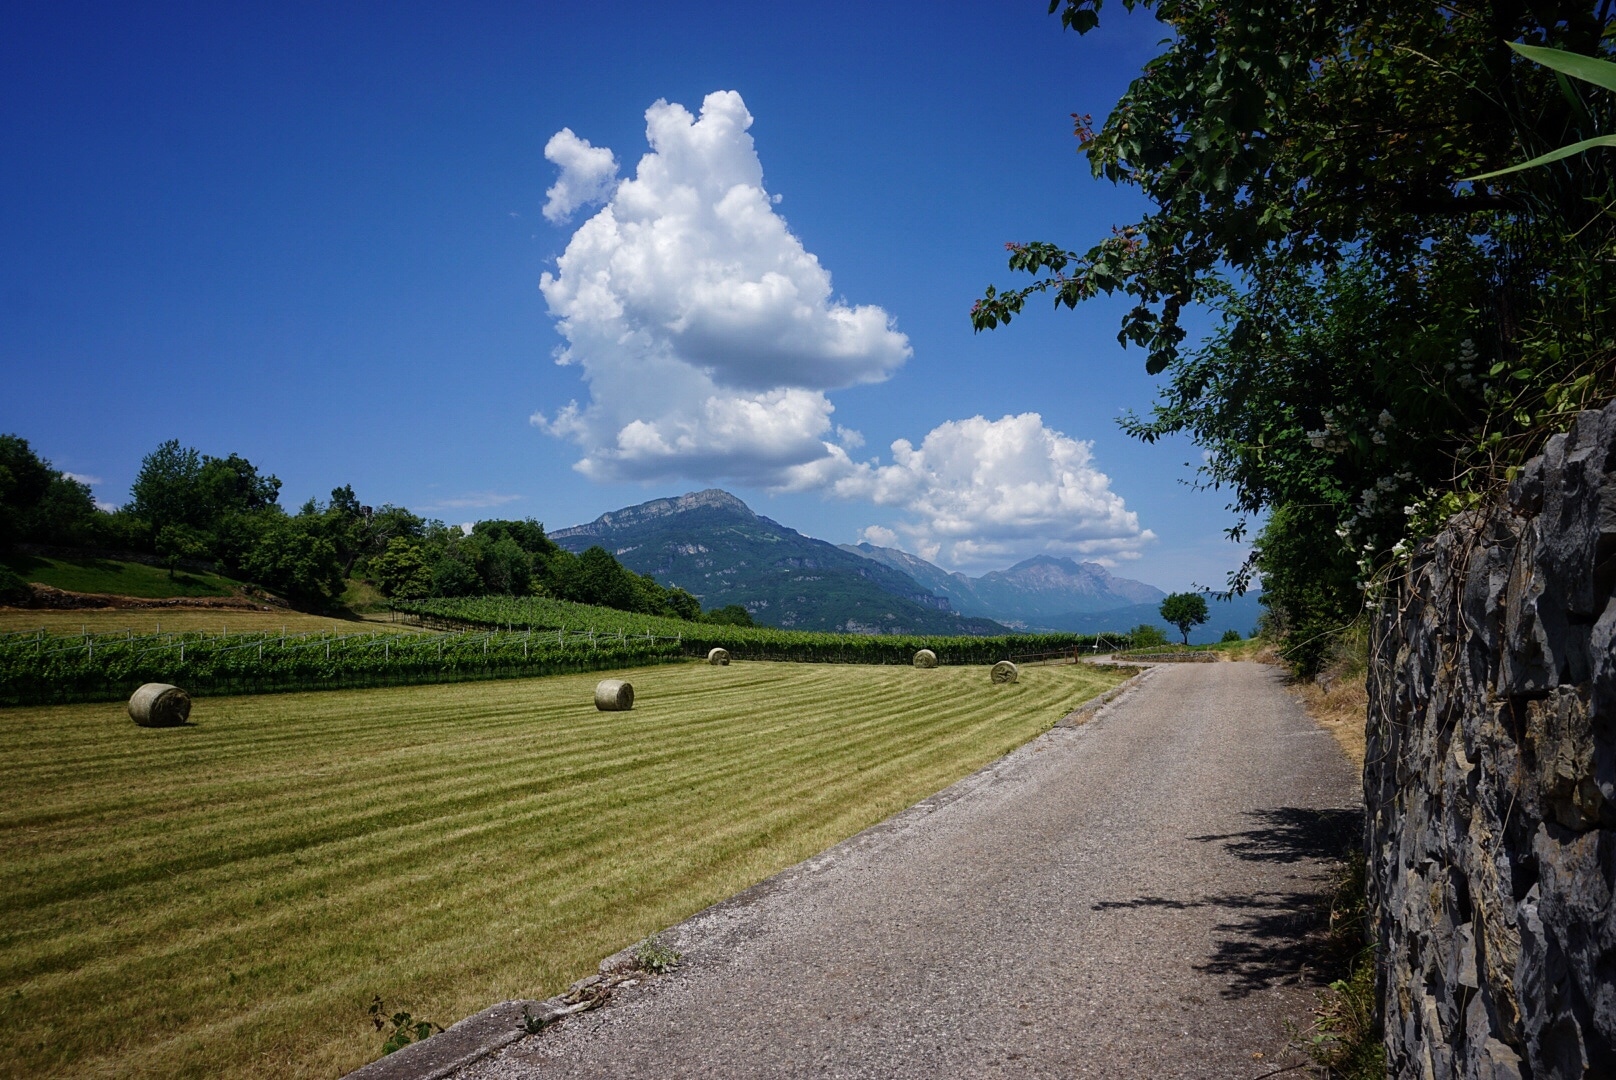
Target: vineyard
41,668
531,613
478,638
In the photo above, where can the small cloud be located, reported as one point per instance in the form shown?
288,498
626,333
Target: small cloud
466,527
82,478
105,506
476,500
513,213
850,439
588,175
879,535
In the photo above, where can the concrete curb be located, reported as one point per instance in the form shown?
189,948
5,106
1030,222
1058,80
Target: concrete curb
498,1026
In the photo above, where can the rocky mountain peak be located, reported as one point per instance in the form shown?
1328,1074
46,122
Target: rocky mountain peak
711,499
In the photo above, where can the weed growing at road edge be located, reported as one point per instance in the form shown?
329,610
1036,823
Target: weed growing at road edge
534,1024
406,1029
655,957
1346,1043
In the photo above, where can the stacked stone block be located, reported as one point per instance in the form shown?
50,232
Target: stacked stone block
1490,781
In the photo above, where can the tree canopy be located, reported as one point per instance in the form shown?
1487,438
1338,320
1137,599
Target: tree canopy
1390,339
1185,610
193,510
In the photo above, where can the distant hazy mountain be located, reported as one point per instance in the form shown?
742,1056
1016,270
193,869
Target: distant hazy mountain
1032,592
1045,593
712,545
1240,613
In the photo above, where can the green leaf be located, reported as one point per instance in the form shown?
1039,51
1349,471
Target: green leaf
1553,155
1577,65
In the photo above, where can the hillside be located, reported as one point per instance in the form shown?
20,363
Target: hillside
714,546
1031,592
117,577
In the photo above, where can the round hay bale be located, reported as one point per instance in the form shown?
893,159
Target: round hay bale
614,695
925,658
718,657
1004,672
159,705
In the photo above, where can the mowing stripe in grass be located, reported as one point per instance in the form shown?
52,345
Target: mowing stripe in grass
224,900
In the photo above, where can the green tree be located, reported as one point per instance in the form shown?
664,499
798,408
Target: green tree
728,615
1185,610
1389,335
231,485
177,543
24,481
402,571
40,504
167,490
295,559
453,575
504,568
595,577
684,606
1146,636
65,515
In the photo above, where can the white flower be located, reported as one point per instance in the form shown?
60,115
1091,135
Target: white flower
1378,438
1385,420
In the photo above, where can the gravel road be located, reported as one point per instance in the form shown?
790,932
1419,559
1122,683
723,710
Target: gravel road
1129,898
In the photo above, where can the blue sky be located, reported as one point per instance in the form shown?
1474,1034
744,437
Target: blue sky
316,235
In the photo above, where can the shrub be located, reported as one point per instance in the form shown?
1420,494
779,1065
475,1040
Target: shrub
1146,636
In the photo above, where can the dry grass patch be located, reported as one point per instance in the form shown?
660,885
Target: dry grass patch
1339,707
227,898
1337,698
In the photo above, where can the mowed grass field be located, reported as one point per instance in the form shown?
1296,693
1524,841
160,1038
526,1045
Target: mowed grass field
225,899
119,578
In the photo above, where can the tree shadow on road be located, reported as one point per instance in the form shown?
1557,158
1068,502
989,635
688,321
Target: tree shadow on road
1291,834
1272,938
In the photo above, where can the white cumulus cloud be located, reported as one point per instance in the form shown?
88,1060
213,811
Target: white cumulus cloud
879,535
981,493
707,334
587,175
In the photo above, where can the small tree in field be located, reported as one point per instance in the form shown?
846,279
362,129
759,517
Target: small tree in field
1184,610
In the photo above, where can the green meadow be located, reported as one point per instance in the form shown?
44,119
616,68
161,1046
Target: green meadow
227,898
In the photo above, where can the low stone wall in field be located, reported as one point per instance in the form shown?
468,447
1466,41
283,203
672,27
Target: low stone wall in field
1490,779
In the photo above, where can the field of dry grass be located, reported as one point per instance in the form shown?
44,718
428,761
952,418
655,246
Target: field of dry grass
226,898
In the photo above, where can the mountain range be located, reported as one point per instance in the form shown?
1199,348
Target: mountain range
1037,590
714,546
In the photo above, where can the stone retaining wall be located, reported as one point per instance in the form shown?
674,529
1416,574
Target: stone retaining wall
1490,781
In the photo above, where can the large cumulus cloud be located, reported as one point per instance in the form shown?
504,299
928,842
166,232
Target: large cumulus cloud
707,333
